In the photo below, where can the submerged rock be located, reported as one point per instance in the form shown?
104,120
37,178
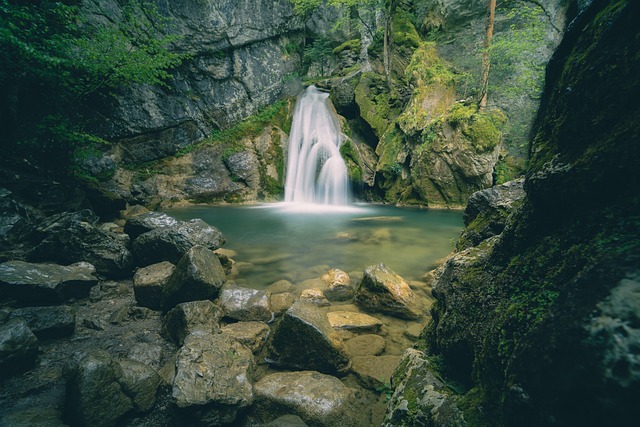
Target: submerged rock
374,372
213,379
382,290
352,321
172,243
38,284
186,318
148,283
198,276
245,304
320,400
304,339
365,345
18,347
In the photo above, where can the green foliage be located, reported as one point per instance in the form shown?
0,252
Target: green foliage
404,32
353,44
319,52
484,130
351,160
508,168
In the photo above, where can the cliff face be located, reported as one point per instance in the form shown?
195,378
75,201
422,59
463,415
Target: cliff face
539,325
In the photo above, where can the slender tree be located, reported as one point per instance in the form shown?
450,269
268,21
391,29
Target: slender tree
486,53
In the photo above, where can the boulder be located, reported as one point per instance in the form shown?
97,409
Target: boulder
338,285
17,224
95,396
354,322
304,339
320,400
245,304
147,353
18,347
74,236
374,372
314,296
188,317
48,322
34,417
365,345
419,397
252,335
140,382
198,276
41,284
172,243
147,221
148,283
381,290
213,379
281,302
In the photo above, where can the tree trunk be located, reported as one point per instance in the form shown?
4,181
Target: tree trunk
389,11
486,55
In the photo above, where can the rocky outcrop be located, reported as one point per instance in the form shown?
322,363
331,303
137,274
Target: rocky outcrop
526,318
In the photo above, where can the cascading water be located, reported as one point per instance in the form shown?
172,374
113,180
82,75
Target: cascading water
316,172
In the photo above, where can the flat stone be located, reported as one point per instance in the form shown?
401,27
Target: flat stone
355,322
318,399
365,345
148,283
252,335
45,284
374,371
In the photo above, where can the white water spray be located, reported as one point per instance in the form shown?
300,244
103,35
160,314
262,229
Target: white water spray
316,172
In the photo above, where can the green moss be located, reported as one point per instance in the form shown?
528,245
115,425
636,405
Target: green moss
351,159
354,45
461,113
376,107
484,130
508,168
388,149
404,32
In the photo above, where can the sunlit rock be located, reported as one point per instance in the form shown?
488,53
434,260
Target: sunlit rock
338,285
245,304
147,221
352,321
314,296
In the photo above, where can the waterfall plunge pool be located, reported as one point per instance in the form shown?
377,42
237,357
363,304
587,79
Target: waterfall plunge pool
296,243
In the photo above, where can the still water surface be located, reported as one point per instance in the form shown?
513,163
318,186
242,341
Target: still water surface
277,241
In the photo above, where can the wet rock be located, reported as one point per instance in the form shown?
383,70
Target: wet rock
18,347
338,285
188,317
48,322
374,372
172,243
38,284
320,400
140,382
252,335
420,398
95,396
213,379
355,322
17,223
245,304
304,339
365,345
34,417
281,302
147,353
147,221
382,290
74,236
198,276
314,296
148,283
287,421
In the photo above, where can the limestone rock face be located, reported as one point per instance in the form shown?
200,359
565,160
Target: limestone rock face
213,378
188,317
245,304
420,398
304,339
197,276
148,283
41,284
18,346
48,322
382,290
171,243
320,400
74,236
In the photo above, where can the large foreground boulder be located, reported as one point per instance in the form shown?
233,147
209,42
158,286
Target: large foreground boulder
304,339
171,243
213,379
198,276
382,290
43,284
139,224
320,400
245,304
148,283
75,236
188,317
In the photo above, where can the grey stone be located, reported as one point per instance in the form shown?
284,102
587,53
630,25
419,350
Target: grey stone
188,317
140,382
18,346
382,290
320,400
213,378
48,322
147,353
41,284
148,283
304,339
245,304
147,221
34,417
197,276
252,335
171,243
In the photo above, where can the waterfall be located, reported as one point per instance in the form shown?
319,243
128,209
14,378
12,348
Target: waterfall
316,172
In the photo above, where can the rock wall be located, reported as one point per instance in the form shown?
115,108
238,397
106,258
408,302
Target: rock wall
536,324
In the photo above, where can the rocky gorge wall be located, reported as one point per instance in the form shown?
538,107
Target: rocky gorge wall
536,319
